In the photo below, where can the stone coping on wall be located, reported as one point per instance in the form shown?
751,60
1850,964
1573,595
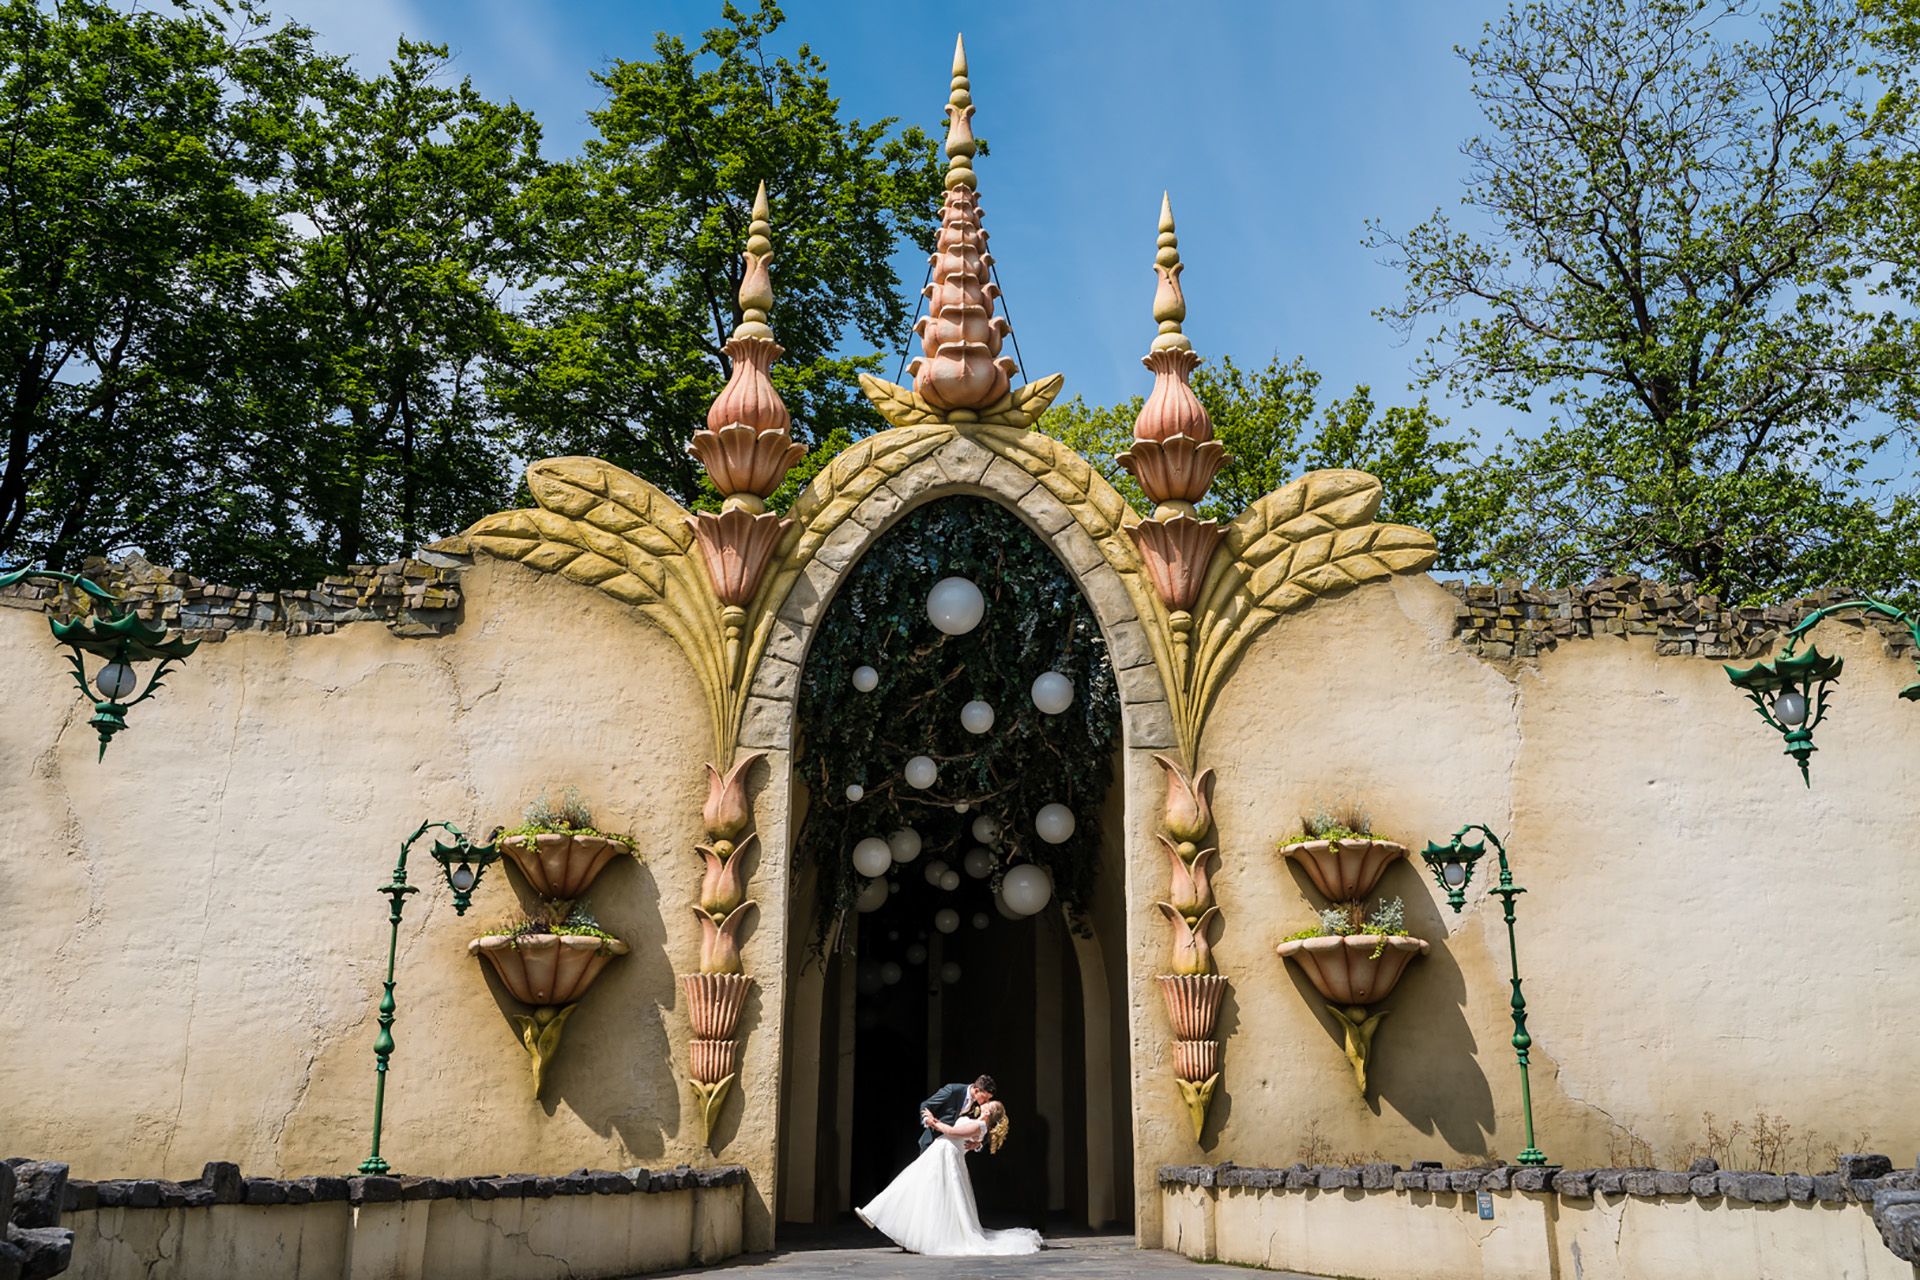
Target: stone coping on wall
414,598
222,1183
1511,621
1868,1180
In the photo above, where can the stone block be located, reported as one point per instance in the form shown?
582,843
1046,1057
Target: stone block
1897,1215
766,724
775,678
1082,555
1464,1181
222,1177
1500,1179
1857,1166
1610,1182
1046,512
1829,1187
374,1190
1148,726
879,507
42,1251
1127,646
963,460
1535,1179
607,1183
1378,1176
298,1192
81,1196
1754,1188
1300,1178
39,1190
329,1189
1008,481
1704,1164
265,1191
1641,1182
144,1194
1799,1187
1575,1184
425,1189
1410,1180
1706,1185
841,547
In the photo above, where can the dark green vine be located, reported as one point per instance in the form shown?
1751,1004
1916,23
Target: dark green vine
1036,621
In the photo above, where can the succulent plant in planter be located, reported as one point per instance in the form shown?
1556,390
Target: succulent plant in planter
559,850
549,965
1354,959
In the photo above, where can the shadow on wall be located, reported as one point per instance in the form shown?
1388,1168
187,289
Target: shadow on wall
615,1068
1423,1064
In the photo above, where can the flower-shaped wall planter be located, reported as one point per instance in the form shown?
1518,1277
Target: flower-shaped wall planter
1345,870
1353,972
550,972
561,866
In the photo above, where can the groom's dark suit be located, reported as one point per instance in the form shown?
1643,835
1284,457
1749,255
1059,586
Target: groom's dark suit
948,1105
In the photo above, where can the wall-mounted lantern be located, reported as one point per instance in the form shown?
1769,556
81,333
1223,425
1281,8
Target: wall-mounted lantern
120,638
1790,693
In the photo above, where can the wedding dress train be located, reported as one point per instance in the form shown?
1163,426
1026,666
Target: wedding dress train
930,1209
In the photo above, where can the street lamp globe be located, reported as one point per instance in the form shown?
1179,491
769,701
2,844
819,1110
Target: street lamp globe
1790,707
115,681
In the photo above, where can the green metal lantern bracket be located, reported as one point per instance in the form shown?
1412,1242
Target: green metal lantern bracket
1452,865
121,638
1790,693
463,863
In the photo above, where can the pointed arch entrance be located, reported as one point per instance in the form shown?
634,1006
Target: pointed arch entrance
1067,1029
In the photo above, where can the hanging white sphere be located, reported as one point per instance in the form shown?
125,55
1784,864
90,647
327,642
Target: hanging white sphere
950,881
934,871
962,807
1026,889
1052,692
946,919
871,857
916,953
893,886
950,972
855,791
1000,905
976,717
985,829
1054,823
956,606
980,920
891,973
978,863
866,679
905,844
872,897
922,772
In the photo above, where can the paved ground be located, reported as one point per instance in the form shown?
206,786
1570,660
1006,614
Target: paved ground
844,1255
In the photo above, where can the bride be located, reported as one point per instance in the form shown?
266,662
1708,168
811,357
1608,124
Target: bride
929,1208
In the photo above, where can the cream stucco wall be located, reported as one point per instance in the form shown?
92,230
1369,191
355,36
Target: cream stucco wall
1700,932
195,942
195,945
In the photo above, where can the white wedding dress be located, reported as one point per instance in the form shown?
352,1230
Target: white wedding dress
930,1209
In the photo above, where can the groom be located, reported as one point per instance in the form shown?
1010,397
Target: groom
953,1102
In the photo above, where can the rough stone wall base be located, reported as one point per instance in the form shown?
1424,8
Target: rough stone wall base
1396,1233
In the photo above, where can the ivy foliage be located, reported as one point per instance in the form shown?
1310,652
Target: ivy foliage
1036,621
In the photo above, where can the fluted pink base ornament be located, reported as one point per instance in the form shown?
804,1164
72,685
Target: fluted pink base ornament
1193,991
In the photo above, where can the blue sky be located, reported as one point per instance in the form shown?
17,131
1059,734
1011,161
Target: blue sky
1279,128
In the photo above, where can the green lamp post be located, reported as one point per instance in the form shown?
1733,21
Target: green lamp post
463,863
1790,693
121,638
1452,864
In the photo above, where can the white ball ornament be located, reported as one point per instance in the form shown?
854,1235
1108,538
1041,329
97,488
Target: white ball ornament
978,863
1052,692
871,857
916,953
872,897
905,844
950,881
985,829
1054,823
866,679
855,791
962,807
934,871
922,772
956,606
891,973
976,717
1026,889
980,920
950,973
946,919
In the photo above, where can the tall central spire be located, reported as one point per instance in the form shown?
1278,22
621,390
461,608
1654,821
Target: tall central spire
962,371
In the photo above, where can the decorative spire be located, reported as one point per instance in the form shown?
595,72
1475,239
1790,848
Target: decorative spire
1174,454
756,286
960,144
963,372
1169,305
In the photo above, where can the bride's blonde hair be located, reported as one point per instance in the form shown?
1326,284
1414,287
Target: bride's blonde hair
994,1114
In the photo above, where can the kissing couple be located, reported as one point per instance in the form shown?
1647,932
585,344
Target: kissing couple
929,1208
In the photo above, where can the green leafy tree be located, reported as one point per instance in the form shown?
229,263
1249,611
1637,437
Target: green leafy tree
137,184
619,351
411,190
1274,429
1662,246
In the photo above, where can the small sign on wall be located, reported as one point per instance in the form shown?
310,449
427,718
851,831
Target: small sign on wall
1486,1204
